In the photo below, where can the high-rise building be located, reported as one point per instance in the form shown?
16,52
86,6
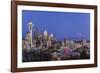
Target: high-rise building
84,42
30,32
45,34
51,36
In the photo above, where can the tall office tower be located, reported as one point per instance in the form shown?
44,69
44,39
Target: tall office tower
30,32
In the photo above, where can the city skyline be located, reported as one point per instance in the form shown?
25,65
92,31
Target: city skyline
61,24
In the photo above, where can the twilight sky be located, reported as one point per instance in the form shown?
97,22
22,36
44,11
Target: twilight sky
61,24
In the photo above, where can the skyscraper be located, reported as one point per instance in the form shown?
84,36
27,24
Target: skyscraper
30,32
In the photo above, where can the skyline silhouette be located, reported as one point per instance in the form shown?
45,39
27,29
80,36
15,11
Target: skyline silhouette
62,24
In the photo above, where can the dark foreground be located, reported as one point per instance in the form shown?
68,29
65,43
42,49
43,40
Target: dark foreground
37,54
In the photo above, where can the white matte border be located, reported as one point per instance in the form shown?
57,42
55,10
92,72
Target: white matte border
52,63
